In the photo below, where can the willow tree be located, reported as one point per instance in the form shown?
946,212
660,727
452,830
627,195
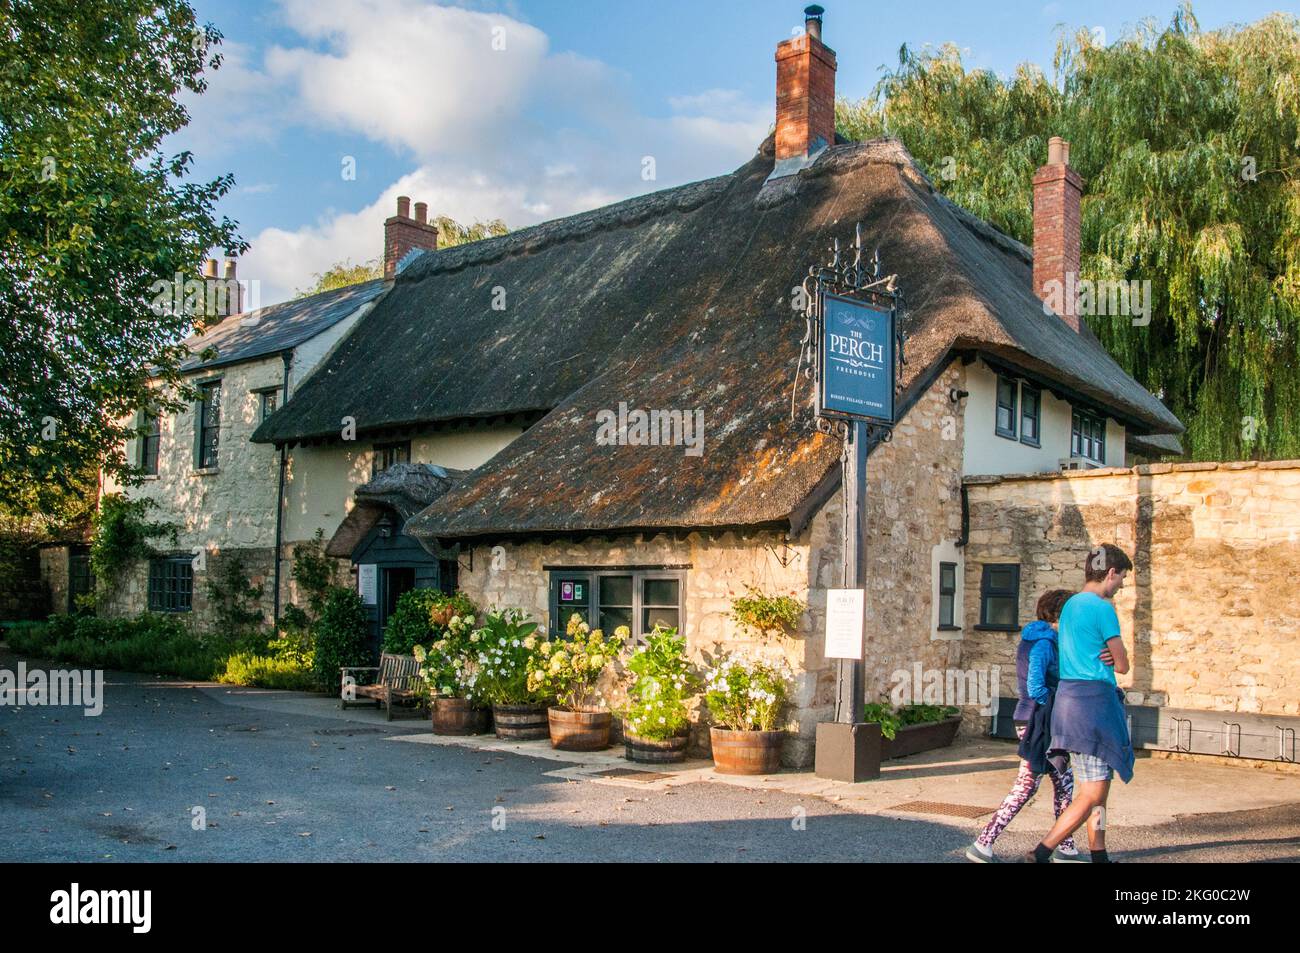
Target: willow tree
1188,142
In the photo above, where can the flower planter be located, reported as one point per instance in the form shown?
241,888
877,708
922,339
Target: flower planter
655,750
913,739
458,716
520,722
746,752
579,730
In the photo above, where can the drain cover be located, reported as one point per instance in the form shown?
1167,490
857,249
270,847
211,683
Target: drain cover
349,731
942,807
633,774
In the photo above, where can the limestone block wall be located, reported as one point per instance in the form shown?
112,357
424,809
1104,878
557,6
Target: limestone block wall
913,506
1209,616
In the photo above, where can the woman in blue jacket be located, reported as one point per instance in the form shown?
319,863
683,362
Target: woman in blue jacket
1037,672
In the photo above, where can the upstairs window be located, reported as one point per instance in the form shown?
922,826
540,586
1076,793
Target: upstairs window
270,399
1006,411
209,425
386,454
149,443
1088,437
1031,401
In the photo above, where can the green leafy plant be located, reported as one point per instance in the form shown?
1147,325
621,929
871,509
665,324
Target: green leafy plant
747,695
269,671
233,599
341,636
660,688
891,718
123,534
450,666
421,617
763,613
152,643
504,644
568,671
316,575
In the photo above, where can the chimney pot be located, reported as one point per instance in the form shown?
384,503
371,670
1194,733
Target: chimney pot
404,206
1058,151
230,269
421,212
812,21
210,268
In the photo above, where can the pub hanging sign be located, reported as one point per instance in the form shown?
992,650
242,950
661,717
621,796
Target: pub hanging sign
857,361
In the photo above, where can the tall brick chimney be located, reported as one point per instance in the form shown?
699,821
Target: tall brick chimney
402,233
1057,193
805,91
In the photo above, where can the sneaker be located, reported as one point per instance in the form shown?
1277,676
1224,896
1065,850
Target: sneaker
1062,856
977,853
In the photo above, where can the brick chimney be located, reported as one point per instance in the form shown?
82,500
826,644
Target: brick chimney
805,91
402,233
1057,193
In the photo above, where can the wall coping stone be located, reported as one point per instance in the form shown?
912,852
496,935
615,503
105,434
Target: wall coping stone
1144,469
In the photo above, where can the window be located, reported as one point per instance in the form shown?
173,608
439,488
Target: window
149,443
171,584
947,595
81,581
209,424
1088,437
1031,401
386,454
1000,597
270,400
638,599
1006,413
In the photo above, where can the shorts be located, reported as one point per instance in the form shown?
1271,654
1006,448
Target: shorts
1089,768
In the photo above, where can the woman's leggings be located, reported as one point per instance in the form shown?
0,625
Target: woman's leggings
1026,787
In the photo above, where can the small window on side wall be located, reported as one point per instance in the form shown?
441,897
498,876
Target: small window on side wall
947,595
387,454
1005,425
149,443
1031,401
1000,597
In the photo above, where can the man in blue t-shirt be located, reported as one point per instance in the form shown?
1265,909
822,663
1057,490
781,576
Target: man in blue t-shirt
1088,718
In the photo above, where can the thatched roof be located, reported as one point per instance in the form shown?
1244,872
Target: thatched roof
403,488
676,301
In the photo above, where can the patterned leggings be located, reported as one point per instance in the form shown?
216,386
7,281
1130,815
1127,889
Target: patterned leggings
1022,791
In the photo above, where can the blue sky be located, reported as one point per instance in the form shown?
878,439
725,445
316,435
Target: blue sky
424,101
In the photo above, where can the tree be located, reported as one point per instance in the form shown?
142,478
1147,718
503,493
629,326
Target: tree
1188,142
450,232
99,232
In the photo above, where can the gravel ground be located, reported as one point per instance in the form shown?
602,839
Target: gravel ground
126,786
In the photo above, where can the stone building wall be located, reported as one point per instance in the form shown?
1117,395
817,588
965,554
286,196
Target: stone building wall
913,506
1209,616
54,571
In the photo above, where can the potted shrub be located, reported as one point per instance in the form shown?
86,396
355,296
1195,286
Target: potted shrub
505,643
746,699
911,729
761,613
656,723
568,671
450,672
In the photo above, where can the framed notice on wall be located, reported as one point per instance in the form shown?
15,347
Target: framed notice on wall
368,583
844,608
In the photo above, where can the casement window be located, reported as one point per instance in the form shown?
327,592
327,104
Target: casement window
171,584
208,425
269,399
386,454
606,599
947,595
1031,403
1000,597
1005,425
1088,437
148,447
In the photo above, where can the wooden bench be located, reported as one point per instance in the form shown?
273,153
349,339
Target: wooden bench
397,678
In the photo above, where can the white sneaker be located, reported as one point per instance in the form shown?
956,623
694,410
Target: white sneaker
1062,856
977,853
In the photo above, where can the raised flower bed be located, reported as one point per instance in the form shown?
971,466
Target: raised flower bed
911,729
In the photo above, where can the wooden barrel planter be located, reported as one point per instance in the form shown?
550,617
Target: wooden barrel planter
655,751
579,730
520,722
458,716
746,752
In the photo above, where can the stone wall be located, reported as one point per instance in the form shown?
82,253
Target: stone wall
1209,616
128,595
913,506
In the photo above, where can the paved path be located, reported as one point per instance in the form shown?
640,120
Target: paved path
285,777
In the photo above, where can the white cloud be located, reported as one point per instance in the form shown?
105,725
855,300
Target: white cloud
523,134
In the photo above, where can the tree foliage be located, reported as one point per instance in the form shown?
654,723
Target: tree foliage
1188,143
93,216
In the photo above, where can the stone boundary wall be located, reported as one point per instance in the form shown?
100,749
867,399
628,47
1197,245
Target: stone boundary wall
1209,616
